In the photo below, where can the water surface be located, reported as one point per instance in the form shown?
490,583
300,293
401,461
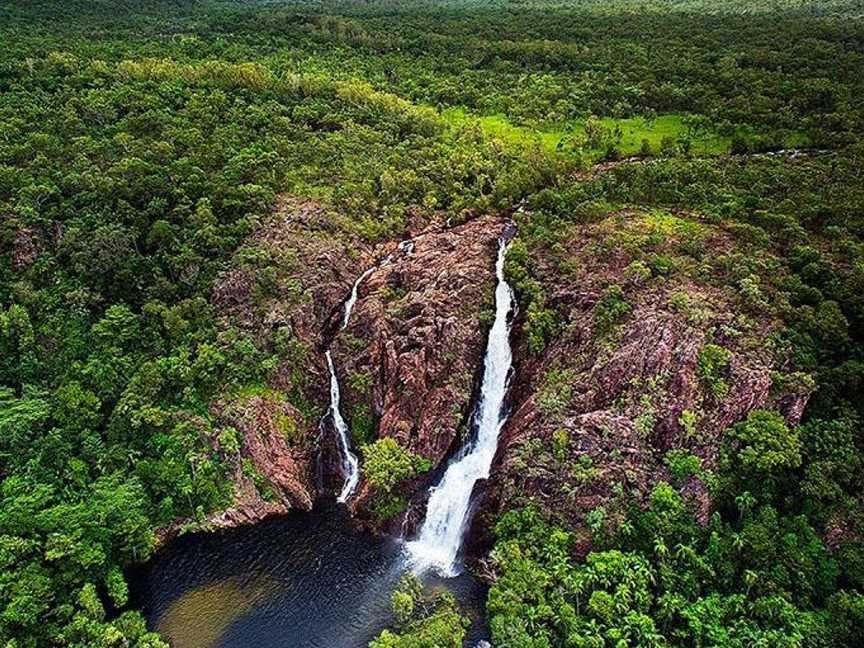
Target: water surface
300,581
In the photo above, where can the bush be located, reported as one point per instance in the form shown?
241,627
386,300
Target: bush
386,463
712,366
422,621
682,465
766,445
611,308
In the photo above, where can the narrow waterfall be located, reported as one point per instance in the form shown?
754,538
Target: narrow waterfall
352,299
350,463
440,538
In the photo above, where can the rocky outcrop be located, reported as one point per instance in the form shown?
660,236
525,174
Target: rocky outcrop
407,362
595,414
284,286
294,272
411,354
27,243
273,459
26,247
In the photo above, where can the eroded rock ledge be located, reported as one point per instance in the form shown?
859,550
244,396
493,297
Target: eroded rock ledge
411,355
406,363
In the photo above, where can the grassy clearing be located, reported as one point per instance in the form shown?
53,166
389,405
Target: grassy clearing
633,131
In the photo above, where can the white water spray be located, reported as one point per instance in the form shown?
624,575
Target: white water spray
440,538
350,463
352,299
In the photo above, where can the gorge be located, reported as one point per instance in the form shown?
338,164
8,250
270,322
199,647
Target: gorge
343,602
405,308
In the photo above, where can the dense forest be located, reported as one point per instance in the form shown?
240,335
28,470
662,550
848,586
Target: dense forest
144,144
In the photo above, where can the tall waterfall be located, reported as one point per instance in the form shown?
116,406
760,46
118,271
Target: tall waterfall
350,464
440,538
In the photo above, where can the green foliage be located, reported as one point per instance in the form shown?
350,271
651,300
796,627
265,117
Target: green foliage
682,465
541,322
560,441
362,425
385,506
421,621
832,463
712,366
386,463
555,392
671,582
687,421
766,444
542,598
610,310
133,165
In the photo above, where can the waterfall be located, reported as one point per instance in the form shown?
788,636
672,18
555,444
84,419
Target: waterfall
352,299
350,463
440,539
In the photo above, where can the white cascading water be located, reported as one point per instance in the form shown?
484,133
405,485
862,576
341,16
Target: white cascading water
352,299
440,538
350,463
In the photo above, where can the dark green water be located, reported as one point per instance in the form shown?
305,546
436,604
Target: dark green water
302,580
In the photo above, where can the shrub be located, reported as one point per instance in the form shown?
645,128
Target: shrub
712,365
766,444
611,308
386,463
687,421
422,621
555,392
560,440
637,272
385,506
682,465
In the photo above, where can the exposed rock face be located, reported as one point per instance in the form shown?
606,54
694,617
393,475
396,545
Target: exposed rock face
594,414
414,345
274,457
285,285
26,247
309,263
592,417
407,361
28,242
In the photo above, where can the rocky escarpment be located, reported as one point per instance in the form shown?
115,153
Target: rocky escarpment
406,363
411,354
285,284
659,348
